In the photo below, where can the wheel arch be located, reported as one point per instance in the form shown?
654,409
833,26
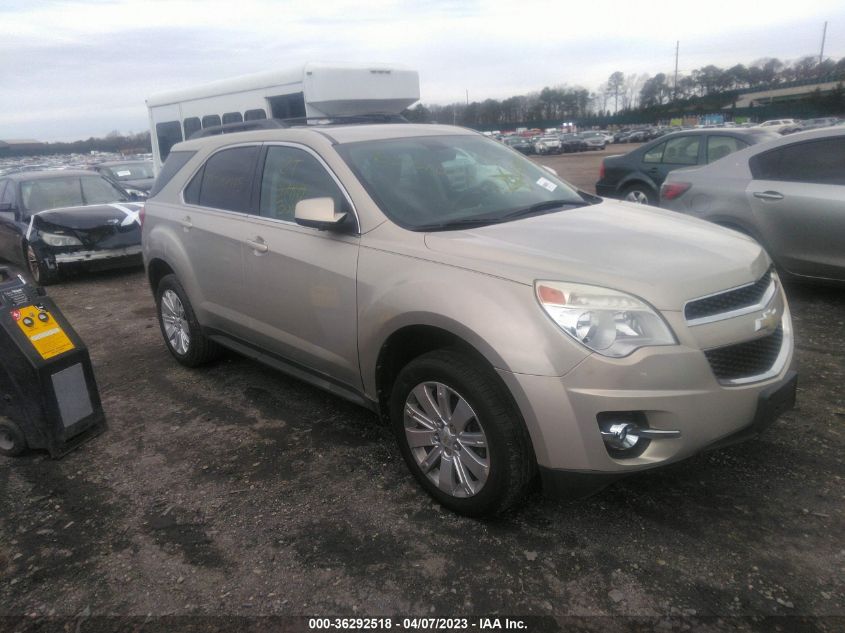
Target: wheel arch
410,341
157,269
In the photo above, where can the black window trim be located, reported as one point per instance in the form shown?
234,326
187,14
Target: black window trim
253,205
201,167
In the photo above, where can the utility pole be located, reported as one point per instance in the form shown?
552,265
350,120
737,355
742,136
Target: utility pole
468,88
675,84
821,53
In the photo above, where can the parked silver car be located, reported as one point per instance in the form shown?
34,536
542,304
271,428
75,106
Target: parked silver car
505,323
788,194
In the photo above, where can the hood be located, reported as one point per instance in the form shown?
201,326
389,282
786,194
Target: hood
663,257
91,224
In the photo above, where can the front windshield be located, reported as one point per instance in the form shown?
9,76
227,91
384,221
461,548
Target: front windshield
131,171
70,191
430,182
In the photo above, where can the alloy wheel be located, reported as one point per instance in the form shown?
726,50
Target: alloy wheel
176,326
637,196
446,439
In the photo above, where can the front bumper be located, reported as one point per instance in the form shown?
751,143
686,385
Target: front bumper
671,388
76,257
772,402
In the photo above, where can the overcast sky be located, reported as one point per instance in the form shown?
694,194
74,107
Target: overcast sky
74,69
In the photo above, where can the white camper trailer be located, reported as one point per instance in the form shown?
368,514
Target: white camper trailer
312,90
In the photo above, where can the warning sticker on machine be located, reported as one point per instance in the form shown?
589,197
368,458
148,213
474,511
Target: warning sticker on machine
46,336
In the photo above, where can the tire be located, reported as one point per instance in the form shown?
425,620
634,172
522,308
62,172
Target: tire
12,440
640,194
179,326
486,454
39,272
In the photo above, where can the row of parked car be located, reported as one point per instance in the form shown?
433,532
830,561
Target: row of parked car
781,126
559,142
786,192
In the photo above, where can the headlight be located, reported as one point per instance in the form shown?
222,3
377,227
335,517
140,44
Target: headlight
606,321
54,239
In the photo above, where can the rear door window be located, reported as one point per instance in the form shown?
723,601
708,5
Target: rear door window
720,146
819,162
682,150
227,179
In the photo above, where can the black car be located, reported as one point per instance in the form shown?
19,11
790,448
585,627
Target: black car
129,174
520,144
637,175
570,142
50,220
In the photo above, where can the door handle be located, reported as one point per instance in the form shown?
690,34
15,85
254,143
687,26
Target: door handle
258,246
186,222
768,195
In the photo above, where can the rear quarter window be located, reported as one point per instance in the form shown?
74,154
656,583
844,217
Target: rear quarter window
175,161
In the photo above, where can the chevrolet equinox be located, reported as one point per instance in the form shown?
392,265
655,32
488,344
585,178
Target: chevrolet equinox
506,324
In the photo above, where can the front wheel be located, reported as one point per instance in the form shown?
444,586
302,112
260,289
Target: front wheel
41,274
459,435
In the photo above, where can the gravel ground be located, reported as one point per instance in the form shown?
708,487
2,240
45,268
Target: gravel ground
234,490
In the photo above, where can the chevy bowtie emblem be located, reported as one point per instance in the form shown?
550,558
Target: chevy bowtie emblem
769,320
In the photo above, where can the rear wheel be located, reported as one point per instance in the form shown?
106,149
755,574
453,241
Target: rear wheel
640,194
179,326
459,434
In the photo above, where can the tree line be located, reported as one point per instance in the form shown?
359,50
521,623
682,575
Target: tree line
707,87
114,141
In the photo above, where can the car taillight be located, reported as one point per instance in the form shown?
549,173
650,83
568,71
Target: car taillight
672,190
601,171
141,214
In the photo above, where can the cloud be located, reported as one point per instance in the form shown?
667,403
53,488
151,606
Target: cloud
81,68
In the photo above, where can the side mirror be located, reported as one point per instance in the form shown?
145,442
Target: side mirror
318,213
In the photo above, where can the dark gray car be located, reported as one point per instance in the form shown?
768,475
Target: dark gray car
637,175
788,194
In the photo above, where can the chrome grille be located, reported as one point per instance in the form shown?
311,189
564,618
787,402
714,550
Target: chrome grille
748,359
728,301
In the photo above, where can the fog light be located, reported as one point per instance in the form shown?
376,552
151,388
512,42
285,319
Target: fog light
620,436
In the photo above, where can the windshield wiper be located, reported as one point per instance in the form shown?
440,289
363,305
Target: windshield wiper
540,207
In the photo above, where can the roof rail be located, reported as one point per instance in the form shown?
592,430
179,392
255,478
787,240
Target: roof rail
264,124
241,126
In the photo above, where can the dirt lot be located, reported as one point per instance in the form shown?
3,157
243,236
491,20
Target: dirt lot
234,490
